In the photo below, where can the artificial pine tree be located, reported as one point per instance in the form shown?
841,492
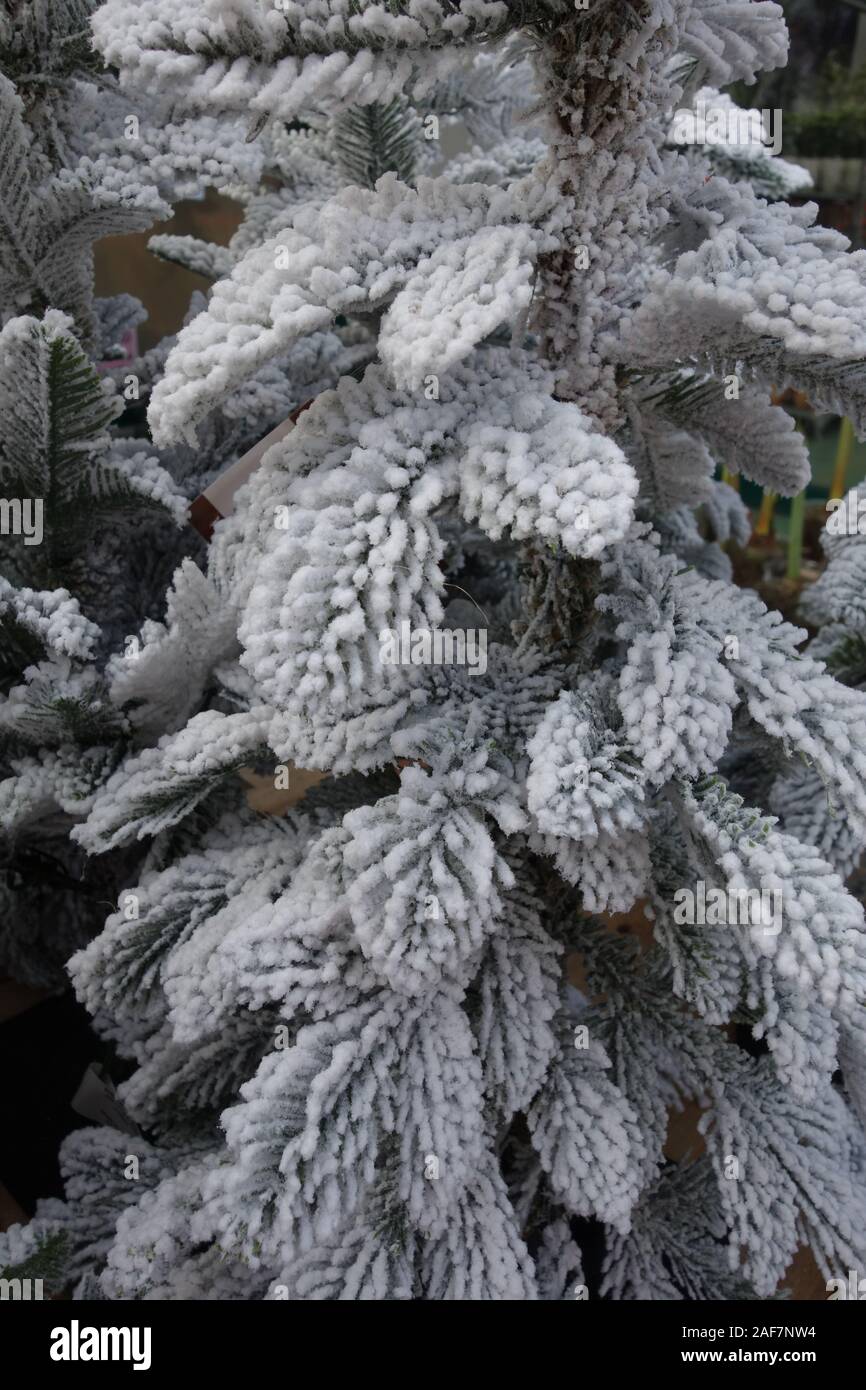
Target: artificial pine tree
80,160
359,1070
79,498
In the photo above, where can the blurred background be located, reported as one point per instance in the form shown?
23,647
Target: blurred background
822,94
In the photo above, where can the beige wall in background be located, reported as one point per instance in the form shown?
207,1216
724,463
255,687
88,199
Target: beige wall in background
124,264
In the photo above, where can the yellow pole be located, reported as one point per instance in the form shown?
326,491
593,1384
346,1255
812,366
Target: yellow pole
843,457
764,525
732,479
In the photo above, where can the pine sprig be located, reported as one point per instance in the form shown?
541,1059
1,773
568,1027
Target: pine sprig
382,138
55,448
48,1262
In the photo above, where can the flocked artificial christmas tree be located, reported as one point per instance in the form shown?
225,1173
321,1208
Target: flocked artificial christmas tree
359,1071
92,553
88,514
